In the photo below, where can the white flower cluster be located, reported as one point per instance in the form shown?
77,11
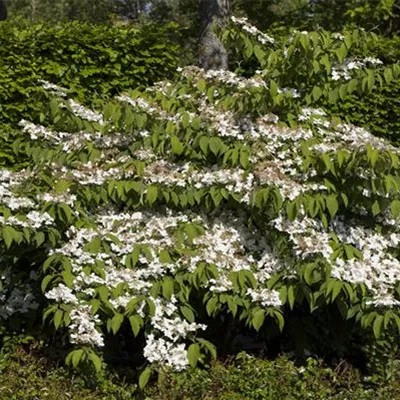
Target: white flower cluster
168,349
266,297
230,78
165,352
378,269
82,112
54,89
247,27
307,235
75,141
83,327
62,294
344,71
185,175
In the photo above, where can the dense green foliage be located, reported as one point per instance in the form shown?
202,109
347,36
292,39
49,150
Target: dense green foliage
93,61
375,108
211,199
243,202
28,373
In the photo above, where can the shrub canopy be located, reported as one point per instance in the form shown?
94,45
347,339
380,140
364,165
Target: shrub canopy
212,196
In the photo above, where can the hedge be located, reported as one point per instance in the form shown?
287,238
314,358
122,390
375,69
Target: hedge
94,61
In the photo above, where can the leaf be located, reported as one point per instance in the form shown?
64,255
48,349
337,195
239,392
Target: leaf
395,208
136,322
209,346
187,313
201,85
259,53
168,287
164,257
152,194
244,158
352,85
232,305
337,287
193,354
291,296
39,238
376,209
9,235
96,361
377,325
280,320
58,317
76,357
116,322
144,377
203,142
94,245
68,278
332,205
176,145
211,305
103,293
317,93
215,145
258,319
388,75
46,280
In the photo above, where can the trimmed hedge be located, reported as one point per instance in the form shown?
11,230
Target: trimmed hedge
91,60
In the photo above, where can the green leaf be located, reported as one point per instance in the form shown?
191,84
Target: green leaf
103,293
376,209
215,145
211,305
176,145
193,354
395,208
46,280
203,142
58,317
168,287
116,322
9,235
388,75
291,296
209,347
144,377
187,313
201,85
76,357
136,322
377,325
258,319
152,194
280,320
332,205
164,257
232,305
96,361
39,238
317,93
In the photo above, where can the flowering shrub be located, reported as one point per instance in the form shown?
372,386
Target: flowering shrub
212,195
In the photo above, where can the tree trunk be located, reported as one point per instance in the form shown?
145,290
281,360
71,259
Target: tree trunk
3,10
212,52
